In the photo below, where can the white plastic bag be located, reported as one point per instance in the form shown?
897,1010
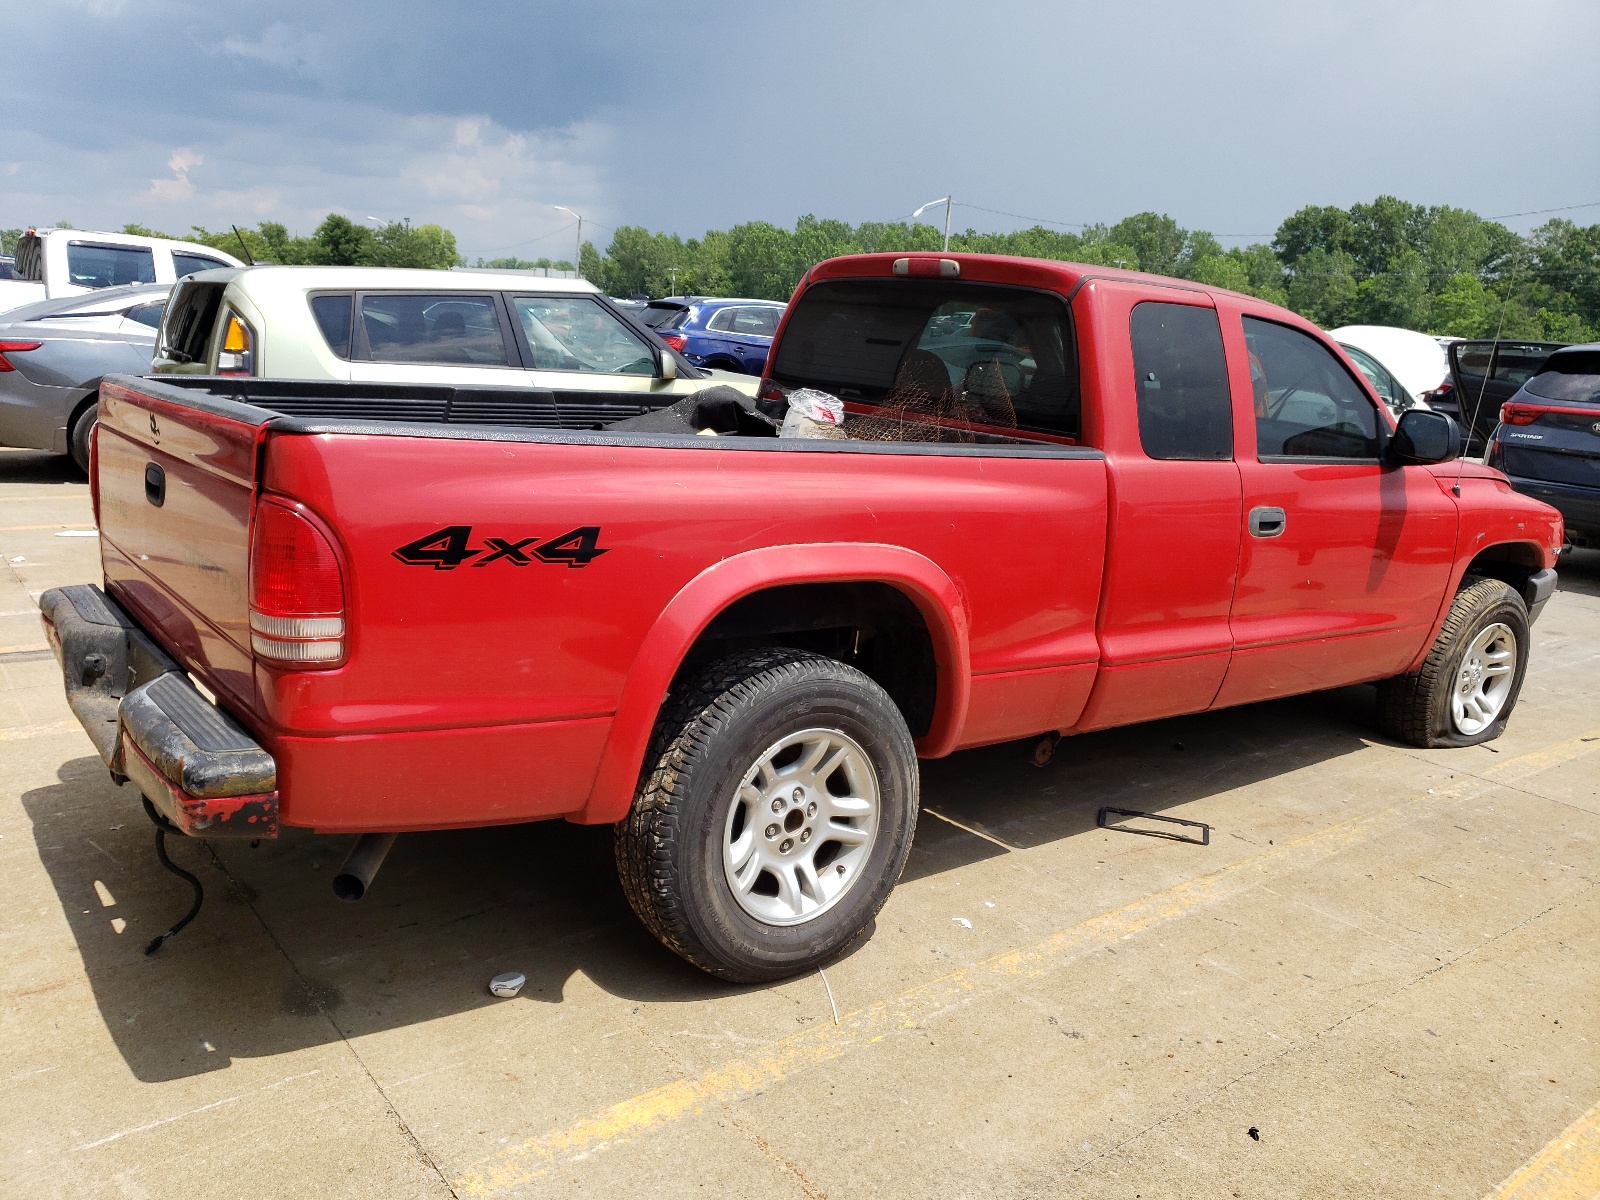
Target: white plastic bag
813,414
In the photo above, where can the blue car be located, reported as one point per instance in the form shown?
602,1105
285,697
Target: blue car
722,334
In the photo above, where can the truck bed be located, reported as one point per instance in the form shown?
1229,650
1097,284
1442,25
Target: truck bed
484,690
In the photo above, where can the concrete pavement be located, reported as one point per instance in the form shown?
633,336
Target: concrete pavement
1384,965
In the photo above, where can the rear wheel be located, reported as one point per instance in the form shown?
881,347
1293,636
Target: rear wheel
79,433
775,816
1467,686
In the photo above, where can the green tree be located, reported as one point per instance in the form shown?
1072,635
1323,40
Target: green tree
1323,287
1461,307
8,240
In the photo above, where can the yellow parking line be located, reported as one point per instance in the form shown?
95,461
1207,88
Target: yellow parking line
518,1164
21,528
1567,1169
20,649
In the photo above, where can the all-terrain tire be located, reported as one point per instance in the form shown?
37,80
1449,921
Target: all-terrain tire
80,433
1416,709
669,849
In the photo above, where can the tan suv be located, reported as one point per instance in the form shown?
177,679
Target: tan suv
461,329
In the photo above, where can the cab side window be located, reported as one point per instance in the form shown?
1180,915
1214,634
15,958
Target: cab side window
1306,403
1181,382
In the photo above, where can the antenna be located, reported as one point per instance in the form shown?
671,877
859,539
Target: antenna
248,257
1472,423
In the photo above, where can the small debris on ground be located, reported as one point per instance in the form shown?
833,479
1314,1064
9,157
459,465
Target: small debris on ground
1254,1133
507,984
963,922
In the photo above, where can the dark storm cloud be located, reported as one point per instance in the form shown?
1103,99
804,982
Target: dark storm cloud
483,116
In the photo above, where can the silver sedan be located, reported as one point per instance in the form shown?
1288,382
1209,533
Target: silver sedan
54,353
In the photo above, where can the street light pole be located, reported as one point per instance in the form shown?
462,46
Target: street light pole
577,257
946,201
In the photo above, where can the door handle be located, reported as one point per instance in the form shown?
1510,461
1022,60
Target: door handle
155,484
1267,522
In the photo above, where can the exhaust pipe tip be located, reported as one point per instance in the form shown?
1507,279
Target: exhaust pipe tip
361,865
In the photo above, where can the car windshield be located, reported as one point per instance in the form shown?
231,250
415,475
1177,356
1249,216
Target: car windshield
1570,377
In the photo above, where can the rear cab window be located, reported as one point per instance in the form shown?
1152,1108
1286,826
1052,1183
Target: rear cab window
937,352
332,313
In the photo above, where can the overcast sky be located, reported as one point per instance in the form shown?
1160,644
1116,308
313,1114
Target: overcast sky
481,116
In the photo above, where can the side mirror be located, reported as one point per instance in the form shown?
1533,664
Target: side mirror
1424,437
669,366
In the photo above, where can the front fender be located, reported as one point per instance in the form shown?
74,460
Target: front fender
664,648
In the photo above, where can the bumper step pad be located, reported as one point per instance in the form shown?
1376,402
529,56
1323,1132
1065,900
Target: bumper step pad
197,766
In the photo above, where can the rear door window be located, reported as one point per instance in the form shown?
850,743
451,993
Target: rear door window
98,266
938,350
451,328
755,322
188,264
1306,403
1181,380
575,333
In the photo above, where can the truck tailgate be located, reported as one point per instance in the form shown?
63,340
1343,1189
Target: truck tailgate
176,484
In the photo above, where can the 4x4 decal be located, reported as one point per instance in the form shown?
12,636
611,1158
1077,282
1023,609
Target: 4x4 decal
448,548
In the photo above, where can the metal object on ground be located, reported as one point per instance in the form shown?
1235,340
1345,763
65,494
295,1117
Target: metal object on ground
162,827
1203,840
507,984
362,863
793,869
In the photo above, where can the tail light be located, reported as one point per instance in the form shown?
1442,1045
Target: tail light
676,340
14,348
238,353
296,590
771,389
1510,414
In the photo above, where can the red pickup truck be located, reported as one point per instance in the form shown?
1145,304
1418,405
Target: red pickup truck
1064,498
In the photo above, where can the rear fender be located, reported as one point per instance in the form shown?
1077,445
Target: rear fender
698,603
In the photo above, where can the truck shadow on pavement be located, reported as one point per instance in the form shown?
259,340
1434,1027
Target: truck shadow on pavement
275,964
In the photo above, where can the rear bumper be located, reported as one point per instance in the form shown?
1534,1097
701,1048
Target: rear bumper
191,760
1579,506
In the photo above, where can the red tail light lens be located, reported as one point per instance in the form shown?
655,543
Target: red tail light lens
296,590
1512,415
676,340
14,348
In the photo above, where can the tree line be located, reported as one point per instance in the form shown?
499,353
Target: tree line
1437,269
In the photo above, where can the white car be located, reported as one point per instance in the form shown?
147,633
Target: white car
53,263
477,329
1415,361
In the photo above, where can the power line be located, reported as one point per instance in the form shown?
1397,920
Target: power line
1539,212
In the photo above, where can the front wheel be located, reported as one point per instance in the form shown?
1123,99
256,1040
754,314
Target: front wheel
1467,686
775,816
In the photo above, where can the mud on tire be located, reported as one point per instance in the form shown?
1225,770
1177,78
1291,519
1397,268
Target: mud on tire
1417,708
718,779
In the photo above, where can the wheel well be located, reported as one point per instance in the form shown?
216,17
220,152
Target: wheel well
84,402
1510,562
873,627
